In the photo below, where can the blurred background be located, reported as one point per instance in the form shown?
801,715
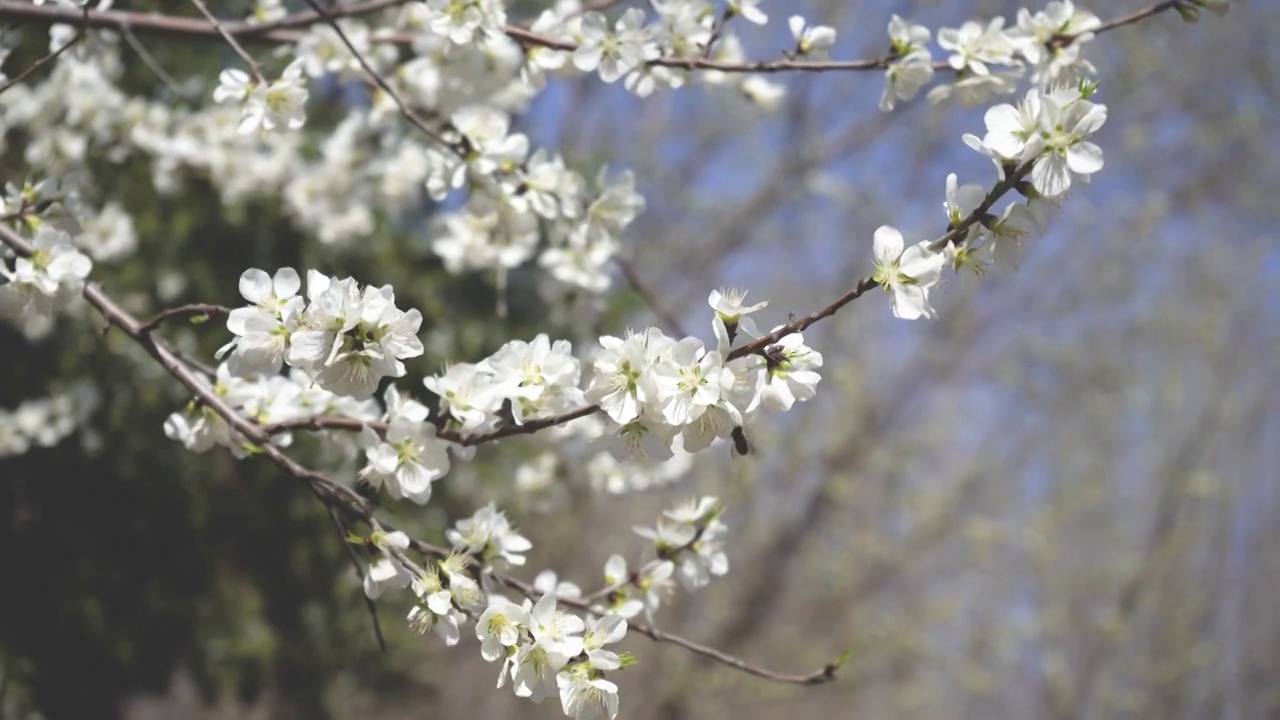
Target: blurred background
1058,500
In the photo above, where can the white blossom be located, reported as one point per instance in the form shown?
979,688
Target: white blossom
408,461
489,535
615,52
812,41
499,627
386,573
586,698
791,373
906,274
974,46
46,281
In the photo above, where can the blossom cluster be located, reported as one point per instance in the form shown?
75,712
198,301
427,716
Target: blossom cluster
1046,136
37,286
544,650
989,58
346,337
553,641
265,106
46,421
266,399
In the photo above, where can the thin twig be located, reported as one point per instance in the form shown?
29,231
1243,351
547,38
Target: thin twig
199,311
231,40
338,422
150,61
823,675
377,78
956,233
43,61
355,564
650,299
716,29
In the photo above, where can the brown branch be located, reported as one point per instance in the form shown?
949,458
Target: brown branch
196,311
955,234
301,20
339,422
283,32
333,494
823,675
716,29
43,61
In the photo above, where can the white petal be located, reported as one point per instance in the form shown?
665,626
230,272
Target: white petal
255,285
887,244
1084,158
286,282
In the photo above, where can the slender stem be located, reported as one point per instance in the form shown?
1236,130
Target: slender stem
377,78
43,61
650,298
151,62
195,311
231,40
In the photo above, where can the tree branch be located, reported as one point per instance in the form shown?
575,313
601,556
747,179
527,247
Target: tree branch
337,496
43,61
285,31
198,312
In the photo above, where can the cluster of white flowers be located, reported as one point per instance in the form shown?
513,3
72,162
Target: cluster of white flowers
265,106
45,422
988,58
37,286
691,536
653,387
410,458
544,650
266,399
347,337
547,651
912,64
1049,129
